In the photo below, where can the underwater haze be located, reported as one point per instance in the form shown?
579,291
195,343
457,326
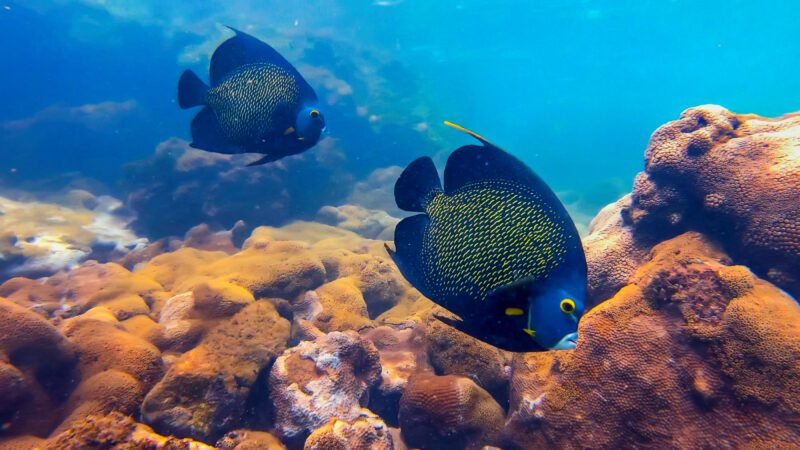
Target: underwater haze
574,88
390,224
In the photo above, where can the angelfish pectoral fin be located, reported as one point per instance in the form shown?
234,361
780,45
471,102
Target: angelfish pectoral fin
288,131
530,332
266,159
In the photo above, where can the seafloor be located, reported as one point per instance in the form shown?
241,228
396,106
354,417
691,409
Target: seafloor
307,335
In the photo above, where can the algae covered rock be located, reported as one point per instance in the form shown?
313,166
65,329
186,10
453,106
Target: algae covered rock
367,432
203,394
319,380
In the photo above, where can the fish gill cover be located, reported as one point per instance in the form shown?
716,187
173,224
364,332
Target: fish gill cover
157,294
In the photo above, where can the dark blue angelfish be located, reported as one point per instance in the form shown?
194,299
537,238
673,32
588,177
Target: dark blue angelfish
257,103
495,246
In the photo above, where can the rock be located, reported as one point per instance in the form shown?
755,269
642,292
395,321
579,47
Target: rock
733,176
318,380
116,431
692,353
449,412
249,440
220,190
367,432
203,394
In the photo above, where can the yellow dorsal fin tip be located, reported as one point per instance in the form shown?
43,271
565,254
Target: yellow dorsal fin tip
469,132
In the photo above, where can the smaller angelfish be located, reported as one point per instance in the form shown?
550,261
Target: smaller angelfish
257,103
495,246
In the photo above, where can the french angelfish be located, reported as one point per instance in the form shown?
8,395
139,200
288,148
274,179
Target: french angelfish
257,103
495,246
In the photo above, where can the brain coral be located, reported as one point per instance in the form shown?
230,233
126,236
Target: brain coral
731,175
693,353
449,412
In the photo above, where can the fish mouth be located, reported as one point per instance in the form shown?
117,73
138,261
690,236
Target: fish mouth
567,342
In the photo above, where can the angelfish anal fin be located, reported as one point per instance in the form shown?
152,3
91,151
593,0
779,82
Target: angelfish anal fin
452,320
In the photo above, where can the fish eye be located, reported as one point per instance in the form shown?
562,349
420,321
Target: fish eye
314,113
568,306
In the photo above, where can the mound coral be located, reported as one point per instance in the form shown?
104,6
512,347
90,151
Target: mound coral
730,175
694,352
204,392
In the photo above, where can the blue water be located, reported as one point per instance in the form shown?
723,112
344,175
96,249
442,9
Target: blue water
574,88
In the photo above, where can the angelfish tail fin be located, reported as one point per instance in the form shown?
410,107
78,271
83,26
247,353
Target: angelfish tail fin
417,185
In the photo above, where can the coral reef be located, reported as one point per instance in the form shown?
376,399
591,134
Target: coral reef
370,223
39,238
180,187
307,336
734,176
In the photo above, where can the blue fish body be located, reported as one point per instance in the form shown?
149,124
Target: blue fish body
494,246
257,103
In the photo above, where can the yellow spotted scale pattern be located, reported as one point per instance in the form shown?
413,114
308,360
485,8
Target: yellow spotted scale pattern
248,103
488,234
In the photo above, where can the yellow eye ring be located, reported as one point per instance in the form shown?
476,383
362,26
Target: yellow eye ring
314,113
568,306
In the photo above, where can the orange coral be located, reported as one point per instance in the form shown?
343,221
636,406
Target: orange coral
693,353
735,176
